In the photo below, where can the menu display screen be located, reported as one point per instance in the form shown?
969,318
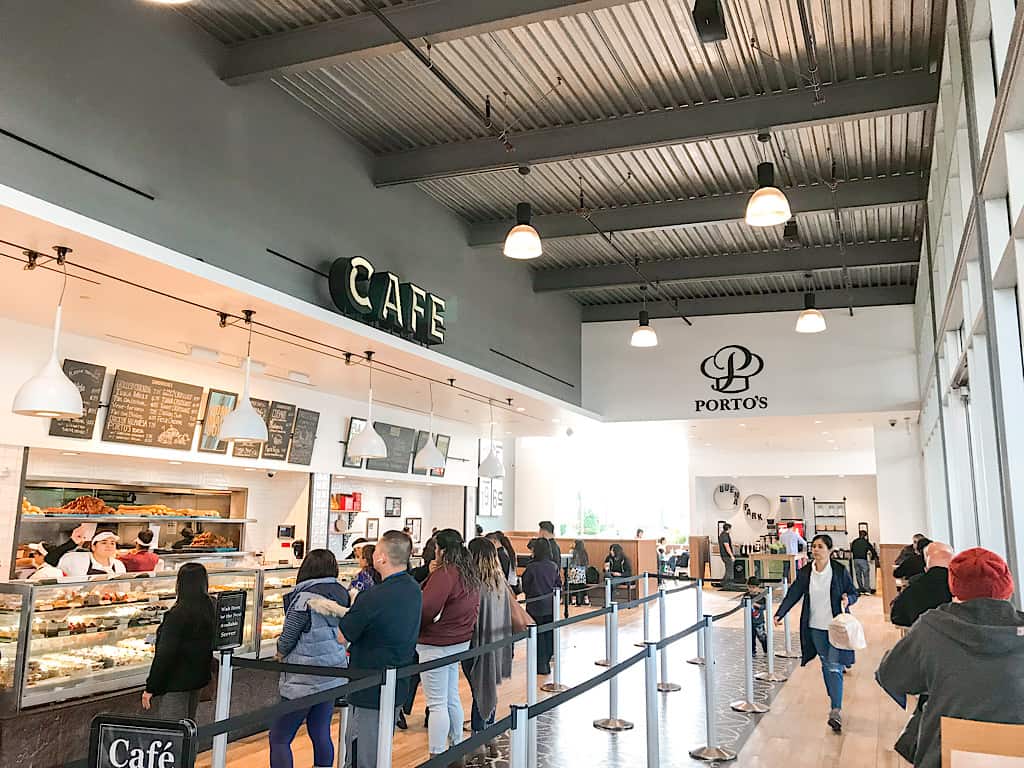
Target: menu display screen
88,377
303,437
279,430
146,410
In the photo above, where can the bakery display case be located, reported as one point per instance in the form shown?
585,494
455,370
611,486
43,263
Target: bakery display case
92,636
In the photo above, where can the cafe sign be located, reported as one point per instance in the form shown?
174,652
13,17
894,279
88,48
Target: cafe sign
380,298
127,742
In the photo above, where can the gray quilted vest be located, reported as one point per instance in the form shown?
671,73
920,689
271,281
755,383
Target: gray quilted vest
318,646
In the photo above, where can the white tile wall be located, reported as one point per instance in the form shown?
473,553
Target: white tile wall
11,457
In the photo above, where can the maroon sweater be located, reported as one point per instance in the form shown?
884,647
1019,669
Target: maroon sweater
445,594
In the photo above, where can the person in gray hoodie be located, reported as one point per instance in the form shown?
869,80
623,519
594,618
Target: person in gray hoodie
310,636
967,656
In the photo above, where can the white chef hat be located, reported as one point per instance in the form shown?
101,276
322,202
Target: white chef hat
103,535
36,548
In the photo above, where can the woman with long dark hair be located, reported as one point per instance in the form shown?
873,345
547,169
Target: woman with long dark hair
310,636
184,649
451,604
540,578
494,622
617,564
826,588
511,567
367,575
578,564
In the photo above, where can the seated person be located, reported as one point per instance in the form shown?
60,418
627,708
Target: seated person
617,564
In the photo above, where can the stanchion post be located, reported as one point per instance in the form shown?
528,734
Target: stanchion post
518,737
771,676
555,686
789,653
613,722
531,695
748,704
222,709
386,718
606,661
699,658
339,753
664,685
644,592
710,752
651,700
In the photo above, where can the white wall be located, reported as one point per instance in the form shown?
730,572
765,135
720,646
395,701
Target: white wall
901,496
861,364
439,506
860,492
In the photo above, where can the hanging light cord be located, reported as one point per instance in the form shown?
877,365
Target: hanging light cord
64,285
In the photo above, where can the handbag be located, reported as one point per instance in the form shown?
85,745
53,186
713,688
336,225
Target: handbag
577,574
846,633
520,618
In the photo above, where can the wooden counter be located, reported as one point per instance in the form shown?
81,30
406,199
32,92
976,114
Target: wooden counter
642,553
887,554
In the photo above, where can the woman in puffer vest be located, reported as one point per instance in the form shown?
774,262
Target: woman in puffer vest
310,636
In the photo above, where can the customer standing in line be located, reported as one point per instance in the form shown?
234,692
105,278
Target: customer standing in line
184,649
579,561
510,553
792,541
451,604
494,623
968,655
863,550
367,576
827,590
540,579
725,551
310,636
546,531
381,630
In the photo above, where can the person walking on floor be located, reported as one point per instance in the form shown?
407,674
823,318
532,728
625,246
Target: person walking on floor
967,655
380,630
539,580
494,623
928,591
184,649
827,590
794,543
862,549
725,551
313,611
451,604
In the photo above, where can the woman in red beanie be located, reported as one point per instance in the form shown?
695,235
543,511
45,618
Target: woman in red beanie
967,656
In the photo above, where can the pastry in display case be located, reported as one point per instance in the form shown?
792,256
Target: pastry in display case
92,636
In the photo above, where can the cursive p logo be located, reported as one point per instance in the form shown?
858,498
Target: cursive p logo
731,368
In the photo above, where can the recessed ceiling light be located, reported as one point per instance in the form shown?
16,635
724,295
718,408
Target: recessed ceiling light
174,462
835,447
817,421
707,445
830,440
841,477
556,421
785,477
69,453
250,469
743,425
389,481
825,432
520,409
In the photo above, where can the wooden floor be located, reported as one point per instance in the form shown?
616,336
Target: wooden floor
794,734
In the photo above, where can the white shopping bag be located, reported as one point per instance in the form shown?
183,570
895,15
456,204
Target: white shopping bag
846,633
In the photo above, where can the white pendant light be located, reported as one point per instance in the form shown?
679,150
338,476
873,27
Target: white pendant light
810,320
50,393
644,335
491,466
368,444
768,206
522,241
429,457
244,424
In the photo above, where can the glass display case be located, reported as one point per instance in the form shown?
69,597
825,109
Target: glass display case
76,639
277,582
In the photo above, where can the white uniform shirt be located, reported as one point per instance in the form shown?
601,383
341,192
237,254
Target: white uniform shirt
46,571
821,597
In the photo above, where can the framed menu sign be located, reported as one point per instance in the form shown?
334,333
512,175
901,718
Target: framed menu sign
218,405
303,437
355,426
441,441
230,616
279,430
146,410
247,449
88,377
400,442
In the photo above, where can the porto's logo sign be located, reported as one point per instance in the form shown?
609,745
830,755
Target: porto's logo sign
730,369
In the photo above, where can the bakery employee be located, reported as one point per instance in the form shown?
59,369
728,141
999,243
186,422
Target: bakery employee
43,569
102,560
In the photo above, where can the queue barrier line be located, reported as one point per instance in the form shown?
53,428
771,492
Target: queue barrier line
454,658
269,665
575,619
464,747
603,677
665,642
638,602
691,585
726,614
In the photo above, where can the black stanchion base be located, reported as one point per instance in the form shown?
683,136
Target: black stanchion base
698,660
669,687
554,688
750,707
771,677
713,754
613,724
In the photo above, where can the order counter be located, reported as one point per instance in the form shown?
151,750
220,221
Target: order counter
642,553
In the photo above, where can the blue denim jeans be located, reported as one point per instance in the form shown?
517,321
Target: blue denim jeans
831,667
862,572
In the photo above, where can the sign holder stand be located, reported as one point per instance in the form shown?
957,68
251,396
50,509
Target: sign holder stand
223,708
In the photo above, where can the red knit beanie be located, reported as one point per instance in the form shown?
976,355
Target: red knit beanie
977,573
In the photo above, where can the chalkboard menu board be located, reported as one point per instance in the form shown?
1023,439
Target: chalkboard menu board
303,436
248,450
146,410
401,441
89,380
279,430
230,631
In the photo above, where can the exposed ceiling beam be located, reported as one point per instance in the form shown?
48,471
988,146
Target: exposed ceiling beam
740,305
865,193
728,265
845,101
363,36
